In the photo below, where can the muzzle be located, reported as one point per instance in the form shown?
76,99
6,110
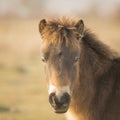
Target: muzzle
61,103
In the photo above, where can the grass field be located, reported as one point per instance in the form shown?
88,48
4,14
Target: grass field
23,91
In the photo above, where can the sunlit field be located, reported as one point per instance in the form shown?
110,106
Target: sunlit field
23,89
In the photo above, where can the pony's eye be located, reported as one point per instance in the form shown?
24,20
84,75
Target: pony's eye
43,59
60,54
76,59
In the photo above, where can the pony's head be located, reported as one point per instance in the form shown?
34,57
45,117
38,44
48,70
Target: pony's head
60,52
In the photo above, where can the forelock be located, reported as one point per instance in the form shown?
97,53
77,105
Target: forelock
59,31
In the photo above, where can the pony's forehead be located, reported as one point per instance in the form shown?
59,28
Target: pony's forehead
56,49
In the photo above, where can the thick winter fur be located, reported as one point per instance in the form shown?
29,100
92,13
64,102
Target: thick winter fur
96,95
96,91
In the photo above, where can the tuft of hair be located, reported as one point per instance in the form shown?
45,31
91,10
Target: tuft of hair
62,30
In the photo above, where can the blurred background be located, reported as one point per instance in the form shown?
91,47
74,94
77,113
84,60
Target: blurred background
23,91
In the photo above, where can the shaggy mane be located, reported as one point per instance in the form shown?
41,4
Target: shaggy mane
58,31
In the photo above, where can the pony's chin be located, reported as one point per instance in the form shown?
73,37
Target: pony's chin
60,111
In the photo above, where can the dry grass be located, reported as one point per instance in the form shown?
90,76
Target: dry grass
23,91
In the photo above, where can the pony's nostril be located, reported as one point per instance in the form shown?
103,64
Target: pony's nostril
53,100
65,99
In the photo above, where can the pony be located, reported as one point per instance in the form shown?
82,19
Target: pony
82,73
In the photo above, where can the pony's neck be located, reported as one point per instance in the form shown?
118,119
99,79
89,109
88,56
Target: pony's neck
95,55
95,60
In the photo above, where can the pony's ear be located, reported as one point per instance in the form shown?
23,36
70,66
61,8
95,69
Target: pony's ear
42,25
80,27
